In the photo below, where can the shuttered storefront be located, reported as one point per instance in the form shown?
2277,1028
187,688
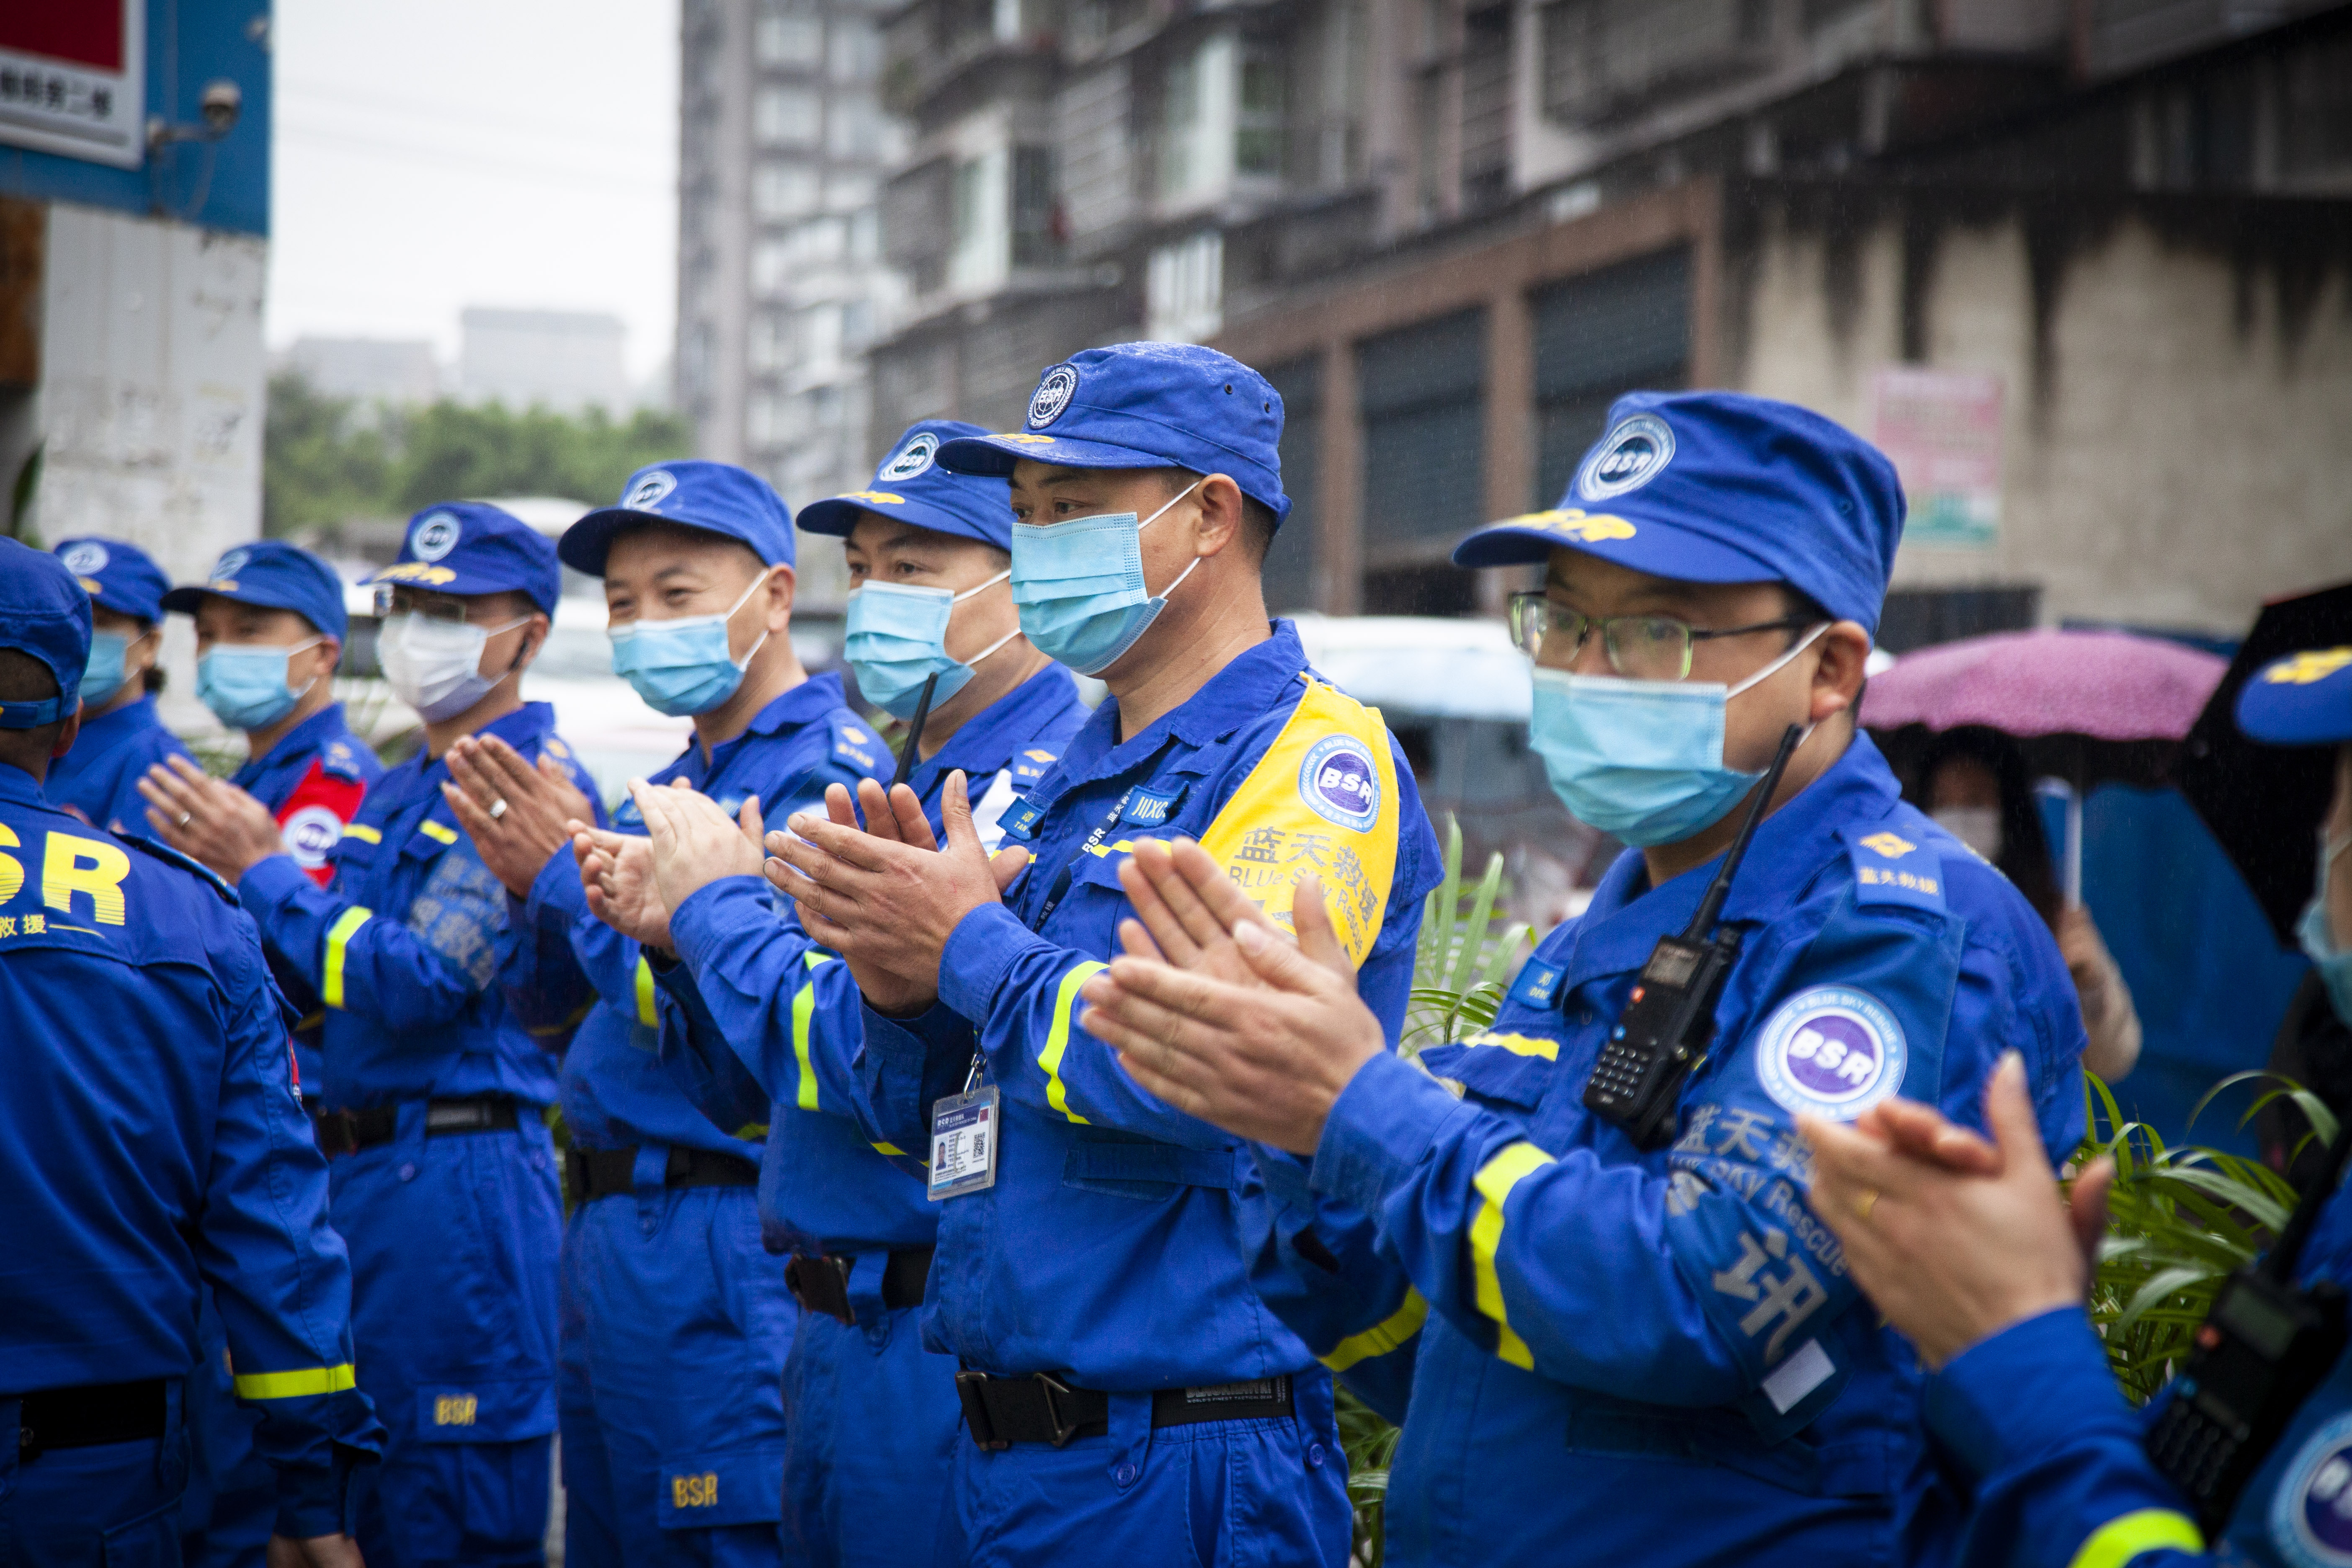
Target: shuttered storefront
1623,329
1423,391
1290,564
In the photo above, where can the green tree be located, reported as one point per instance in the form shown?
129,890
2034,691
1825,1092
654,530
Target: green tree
319,464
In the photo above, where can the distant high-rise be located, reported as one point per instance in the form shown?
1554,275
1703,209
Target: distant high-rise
781,285
368,370
562,360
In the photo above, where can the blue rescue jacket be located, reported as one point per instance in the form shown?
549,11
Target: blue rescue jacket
616,1094
312,780
153,1139
99,777
2048,1454
1106,1249
423,1000
1597,1339
768,1024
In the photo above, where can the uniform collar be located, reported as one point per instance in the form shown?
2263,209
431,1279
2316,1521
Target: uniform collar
987,738
1627,916
1236,694
18,787
311,735
138,715
803,705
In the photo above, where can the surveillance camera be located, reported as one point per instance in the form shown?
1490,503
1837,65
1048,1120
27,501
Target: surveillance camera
220,103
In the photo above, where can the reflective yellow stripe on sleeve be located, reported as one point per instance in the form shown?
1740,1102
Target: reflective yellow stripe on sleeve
1381,1337
647,1013
339,938
2119,1541
1058,1039
362,832
1495,1181
299,1384
436,831
803,1015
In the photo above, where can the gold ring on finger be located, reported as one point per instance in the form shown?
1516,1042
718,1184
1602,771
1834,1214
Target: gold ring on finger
1864,1204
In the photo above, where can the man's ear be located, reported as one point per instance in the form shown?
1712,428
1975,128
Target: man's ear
534,637
1220,525
68,729
783,583
1838,675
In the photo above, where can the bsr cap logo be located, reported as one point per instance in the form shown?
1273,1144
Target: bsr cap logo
914,458
1054,390
84,560
649,491
1631,455
435,537
1338,782
230,564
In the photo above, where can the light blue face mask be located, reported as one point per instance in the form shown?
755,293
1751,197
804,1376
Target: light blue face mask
682,667
101,677
1079,585
2331,958
1640,759
246,687
896,639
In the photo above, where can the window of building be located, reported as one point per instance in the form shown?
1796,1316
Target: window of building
1597,55
1623,329
853,128
1036,239
1486,106
771,265
1179,126
788,41
1184,290
1422,392
980,252
1289,570
2316,117
856,52
784,191
787,116
1258,123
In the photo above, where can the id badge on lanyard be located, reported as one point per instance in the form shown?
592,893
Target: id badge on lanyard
964,1128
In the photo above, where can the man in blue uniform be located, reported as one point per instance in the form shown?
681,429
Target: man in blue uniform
154,1142
772,1023
1966,1246
1595,1333
122,737
675,1322
444,1174
271,626
1127,1397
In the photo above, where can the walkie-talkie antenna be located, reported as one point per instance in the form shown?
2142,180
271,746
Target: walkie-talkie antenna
1712,904
915,731
2287,1251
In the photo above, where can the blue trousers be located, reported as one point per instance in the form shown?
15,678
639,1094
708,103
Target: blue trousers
676,1324
873,1431
1219,1494
116,1504
231,1497
453,1243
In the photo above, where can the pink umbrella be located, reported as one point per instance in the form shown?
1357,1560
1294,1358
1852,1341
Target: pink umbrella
2089,705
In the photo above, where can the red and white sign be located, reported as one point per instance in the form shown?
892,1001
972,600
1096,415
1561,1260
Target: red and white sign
73,79
1941,430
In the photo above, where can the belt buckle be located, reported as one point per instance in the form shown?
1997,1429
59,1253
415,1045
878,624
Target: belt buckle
1062,1431
968,1386
837,1267
339,1132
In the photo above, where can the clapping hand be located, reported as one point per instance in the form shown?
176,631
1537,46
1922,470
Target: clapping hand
518,815
209,820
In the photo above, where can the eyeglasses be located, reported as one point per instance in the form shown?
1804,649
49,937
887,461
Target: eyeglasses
394,600
1640,647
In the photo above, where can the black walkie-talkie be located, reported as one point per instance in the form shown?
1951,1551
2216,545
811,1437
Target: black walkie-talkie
2261,1350
1662,1035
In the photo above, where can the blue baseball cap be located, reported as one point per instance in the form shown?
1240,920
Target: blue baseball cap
118,575
914,487
1719,487
2303,700
471,547
1144,405
277,576
45,612
716,498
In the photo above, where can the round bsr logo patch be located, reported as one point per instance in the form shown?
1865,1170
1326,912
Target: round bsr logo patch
435,537
84,560
2311,1513
1338,782
1830,1050
312,833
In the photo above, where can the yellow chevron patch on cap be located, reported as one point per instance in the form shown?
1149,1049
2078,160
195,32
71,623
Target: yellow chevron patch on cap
1025,438
1573,522
90,584
2304,669
874,498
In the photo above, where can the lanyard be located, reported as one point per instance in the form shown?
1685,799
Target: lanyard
1061,889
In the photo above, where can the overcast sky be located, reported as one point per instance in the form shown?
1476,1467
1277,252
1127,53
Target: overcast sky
432,154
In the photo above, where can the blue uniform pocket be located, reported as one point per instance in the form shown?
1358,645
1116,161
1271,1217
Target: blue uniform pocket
740,1487
1511,1073
1125,1166
486,1412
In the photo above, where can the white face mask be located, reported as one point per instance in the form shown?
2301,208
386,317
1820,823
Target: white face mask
1978,826
436,667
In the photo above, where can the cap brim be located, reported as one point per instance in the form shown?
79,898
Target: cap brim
1644,544
436,577
2280,714
993,456
837,515
185,601
583,545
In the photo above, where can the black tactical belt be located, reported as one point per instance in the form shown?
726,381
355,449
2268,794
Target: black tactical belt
1041,1408
601,1172
86,1416
822,1284
349,1131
